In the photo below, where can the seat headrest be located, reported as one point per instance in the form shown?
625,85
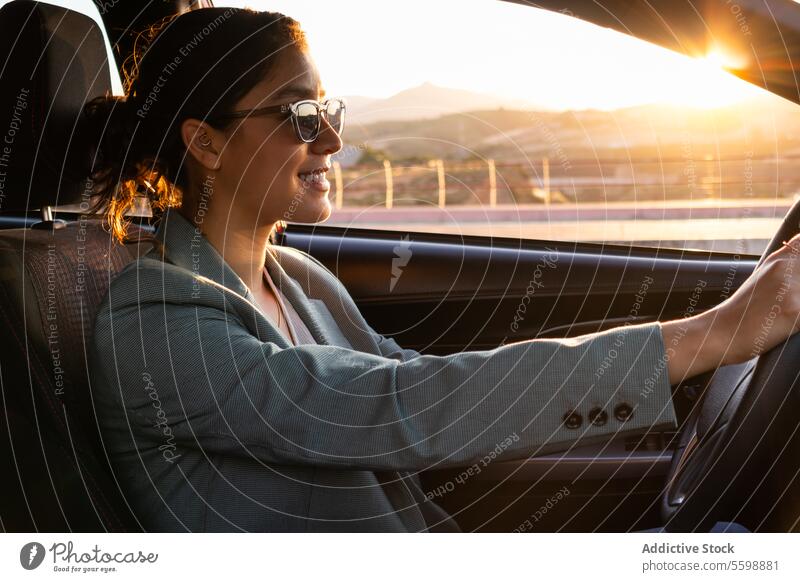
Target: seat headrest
52,61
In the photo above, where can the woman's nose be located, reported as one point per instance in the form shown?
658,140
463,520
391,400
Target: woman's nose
328,142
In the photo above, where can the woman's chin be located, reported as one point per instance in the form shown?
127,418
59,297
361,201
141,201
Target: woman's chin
313,213
324,214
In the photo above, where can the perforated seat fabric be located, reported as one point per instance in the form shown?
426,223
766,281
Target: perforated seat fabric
51,284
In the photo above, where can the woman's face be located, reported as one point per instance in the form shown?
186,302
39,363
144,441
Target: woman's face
263,159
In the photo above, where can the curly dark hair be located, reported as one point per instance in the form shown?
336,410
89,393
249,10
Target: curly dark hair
191,65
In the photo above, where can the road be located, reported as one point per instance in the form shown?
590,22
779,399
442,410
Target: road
726,226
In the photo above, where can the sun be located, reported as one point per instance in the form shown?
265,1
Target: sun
717,60
706,83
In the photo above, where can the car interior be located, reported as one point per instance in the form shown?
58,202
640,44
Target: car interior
733,458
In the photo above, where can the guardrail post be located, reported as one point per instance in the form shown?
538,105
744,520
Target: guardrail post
337,175
442,192
492,185
546,180
387,170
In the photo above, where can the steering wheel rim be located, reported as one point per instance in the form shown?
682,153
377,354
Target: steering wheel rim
740,437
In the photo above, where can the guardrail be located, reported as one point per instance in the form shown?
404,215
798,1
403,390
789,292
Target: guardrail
546,182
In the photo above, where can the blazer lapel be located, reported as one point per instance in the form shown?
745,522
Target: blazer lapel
324,303
186,247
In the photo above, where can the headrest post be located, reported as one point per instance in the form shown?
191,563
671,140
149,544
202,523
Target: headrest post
48,222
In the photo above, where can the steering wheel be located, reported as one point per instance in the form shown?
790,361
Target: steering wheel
738,454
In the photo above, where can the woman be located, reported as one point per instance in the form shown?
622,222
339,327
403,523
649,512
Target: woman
237,385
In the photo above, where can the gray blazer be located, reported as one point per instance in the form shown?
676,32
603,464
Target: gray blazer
213,422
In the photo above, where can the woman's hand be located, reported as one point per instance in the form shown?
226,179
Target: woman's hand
762,313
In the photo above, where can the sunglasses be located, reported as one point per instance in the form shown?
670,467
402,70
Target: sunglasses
306,116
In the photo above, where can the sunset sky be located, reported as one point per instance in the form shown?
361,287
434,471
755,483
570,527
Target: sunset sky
551,60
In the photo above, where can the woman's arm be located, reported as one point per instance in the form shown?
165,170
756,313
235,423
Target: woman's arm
762,313
198,371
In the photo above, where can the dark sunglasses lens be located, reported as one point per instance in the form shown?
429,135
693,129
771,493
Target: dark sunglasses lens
335,114
308,120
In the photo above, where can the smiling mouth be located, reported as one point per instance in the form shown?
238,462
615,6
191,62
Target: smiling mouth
315,175
315,179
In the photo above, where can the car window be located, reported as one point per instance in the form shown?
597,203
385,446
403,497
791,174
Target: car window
493,118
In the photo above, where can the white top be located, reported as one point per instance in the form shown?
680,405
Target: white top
297,328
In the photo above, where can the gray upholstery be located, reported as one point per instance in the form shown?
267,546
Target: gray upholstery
51,284
55,474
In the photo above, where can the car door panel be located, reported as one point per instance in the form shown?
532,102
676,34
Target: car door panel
453,294
442,294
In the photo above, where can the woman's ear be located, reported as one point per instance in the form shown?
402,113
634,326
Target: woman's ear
203,142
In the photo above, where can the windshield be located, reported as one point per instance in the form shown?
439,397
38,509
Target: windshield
549,128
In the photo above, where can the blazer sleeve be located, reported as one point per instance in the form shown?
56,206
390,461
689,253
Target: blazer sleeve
198,371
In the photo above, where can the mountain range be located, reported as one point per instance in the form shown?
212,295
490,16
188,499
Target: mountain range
430,121
424,102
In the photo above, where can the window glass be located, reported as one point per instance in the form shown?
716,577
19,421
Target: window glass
494,118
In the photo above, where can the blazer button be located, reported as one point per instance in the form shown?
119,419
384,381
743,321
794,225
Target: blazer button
572,419
598,416
623,412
